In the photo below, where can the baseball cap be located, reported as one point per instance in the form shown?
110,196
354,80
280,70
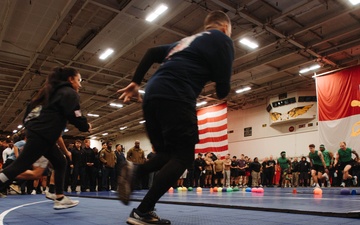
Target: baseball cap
322,146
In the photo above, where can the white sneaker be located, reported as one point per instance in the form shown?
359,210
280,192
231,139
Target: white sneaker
33,192
354,180
50,196
317,185
342,184
65,203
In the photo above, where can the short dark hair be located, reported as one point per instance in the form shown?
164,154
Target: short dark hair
311,145
216,18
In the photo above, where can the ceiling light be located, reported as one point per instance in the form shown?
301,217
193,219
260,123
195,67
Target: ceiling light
249,43
123,128
159,10
116,105
93,138
243,90
104,134
313,67
15,131
93,115
142,121
19,127
106,54
141,92
354,2
66,130
201,103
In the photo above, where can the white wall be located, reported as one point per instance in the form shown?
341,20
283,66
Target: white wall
269,140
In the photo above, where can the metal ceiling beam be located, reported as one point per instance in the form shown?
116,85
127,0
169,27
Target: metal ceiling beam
7,13
55,25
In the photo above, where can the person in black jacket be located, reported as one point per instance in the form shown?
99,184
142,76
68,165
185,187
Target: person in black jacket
170,106
90,169
304,170
45,119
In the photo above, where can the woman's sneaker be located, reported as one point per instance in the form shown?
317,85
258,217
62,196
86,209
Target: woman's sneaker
50,196
138,218
65,203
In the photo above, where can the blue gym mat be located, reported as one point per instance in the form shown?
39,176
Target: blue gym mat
275,206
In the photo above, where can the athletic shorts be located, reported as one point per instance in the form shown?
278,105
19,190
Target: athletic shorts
183,176
234,172
241,172
42,162
318,168
208,172
219,175
343,164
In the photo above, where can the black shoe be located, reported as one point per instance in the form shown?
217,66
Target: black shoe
125,180
138,218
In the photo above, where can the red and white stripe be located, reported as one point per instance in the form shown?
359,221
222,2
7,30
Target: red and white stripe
212,123
339,108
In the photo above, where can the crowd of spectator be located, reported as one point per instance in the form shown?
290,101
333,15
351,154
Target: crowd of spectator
91,169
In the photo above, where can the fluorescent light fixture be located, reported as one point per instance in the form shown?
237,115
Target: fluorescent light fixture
142,121
116,105
304,70
15,131
123,128
313,67
93,138
158,11
201,103
104,134
354,2
66,130
141,92
249,43
106,54
93,115
243,90
19,127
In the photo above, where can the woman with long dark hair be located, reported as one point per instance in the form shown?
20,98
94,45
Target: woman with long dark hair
45,119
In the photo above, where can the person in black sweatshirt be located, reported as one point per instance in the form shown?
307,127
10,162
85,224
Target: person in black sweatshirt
45,119
170,106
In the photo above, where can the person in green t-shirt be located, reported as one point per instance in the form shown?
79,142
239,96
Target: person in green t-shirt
318,165
344,157
285,166
328,157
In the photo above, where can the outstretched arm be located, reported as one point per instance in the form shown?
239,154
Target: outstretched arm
153,55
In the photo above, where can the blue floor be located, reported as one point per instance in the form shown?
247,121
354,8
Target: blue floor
274,206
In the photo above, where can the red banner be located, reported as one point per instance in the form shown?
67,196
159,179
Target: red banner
339,94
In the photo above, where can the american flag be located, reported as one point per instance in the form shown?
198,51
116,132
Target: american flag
339,108
212,123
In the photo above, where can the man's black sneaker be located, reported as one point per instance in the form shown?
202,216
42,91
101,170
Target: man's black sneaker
124,182
138,218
